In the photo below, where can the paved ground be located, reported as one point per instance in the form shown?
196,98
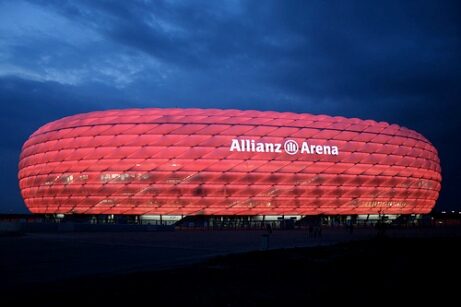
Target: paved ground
44,257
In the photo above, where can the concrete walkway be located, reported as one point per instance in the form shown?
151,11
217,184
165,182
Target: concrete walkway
44,257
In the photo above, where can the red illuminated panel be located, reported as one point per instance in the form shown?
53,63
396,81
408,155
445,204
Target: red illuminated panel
226,162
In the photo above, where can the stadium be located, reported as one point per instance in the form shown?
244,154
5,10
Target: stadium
212,162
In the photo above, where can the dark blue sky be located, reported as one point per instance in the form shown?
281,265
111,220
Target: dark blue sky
394,61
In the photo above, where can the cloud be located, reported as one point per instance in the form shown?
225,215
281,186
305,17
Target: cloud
396,61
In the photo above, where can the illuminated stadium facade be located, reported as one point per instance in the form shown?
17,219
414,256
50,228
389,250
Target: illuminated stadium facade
226,162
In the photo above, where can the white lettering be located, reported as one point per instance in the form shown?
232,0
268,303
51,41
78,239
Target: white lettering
335,150
305,148
269,147
290,147
319,149
235,145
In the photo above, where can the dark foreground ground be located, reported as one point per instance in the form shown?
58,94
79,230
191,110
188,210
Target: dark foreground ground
380,271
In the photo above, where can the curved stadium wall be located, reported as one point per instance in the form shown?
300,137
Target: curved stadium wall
226,162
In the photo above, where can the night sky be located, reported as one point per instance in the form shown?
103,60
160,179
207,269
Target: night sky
389,61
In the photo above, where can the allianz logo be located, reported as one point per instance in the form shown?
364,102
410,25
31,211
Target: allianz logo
291,147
